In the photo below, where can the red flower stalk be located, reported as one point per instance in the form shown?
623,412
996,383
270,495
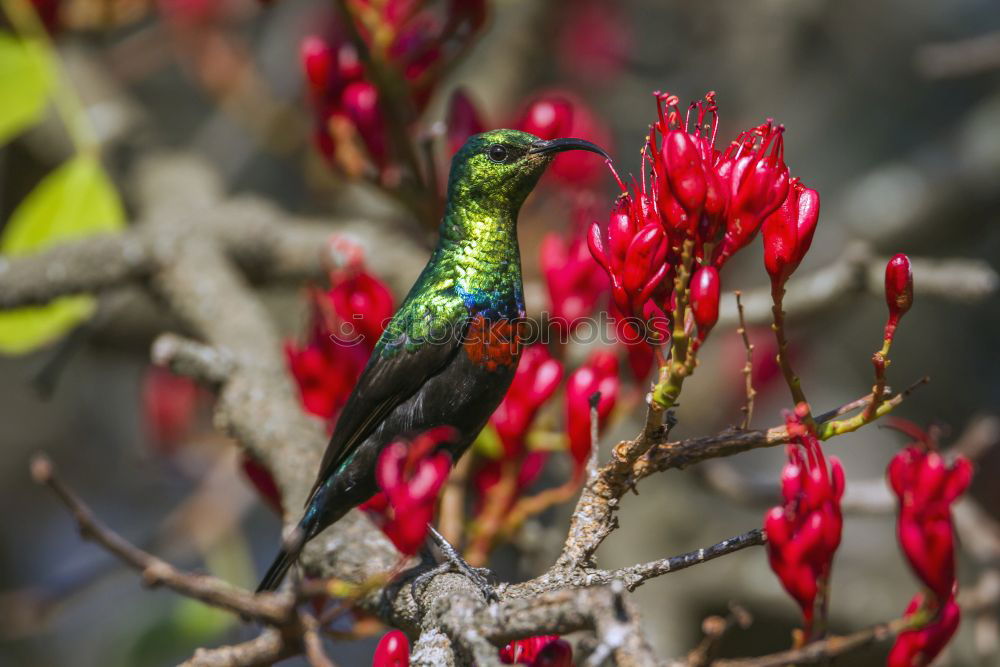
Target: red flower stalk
556,113
537,378
393,650
705,293
574,282
788,232
898,291
599,373
540,651
926,487
921,646
804,532
410,476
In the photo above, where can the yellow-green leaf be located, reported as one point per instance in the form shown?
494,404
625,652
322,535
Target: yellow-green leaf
75,200
26,77
488,444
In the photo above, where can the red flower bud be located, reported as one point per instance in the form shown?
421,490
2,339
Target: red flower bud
393,650
921,646
317,63
788,232
705,292
898,291
574,282
599,373
758,184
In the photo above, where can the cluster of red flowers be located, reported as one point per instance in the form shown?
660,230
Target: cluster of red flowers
410,475
540,651
346,322
697,208
926,487
803,533
411,41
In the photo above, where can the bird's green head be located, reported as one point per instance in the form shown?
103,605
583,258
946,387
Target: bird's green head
499,168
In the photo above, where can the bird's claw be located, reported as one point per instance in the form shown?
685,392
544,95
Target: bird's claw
454,562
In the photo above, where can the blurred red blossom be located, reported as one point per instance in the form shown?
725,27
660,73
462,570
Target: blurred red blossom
393,650
537,377
575,283
552,114
598,373
169,404
915,648
540,651
803,533
345,323
594,40
926,488
463,120
410,475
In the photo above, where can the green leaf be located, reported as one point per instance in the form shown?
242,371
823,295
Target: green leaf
488,444
26,77
75,200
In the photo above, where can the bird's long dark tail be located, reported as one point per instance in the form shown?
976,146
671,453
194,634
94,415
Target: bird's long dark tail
289,553
279,567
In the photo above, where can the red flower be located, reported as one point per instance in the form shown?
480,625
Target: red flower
898,291
754,168
537,377
705,292
632,255
410,476
169,403
804,532
540,651
914,648
926,487
575,283
393,650
788,232
345,323
556,113
599,373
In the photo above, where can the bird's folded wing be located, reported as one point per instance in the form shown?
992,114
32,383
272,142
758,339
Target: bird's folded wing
394,373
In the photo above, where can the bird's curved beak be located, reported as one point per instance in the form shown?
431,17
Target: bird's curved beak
546,146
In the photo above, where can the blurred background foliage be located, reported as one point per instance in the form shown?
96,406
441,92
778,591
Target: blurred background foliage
892,112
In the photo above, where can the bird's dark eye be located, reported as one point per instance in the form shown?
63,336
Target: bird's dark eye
497,153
